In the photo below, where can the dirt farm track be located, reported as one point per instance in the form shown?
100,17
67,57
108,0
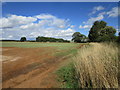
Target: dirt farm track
30,67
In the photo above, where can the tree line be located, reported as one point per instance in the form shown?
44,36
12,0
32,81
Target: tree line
99,32
49,39
45,39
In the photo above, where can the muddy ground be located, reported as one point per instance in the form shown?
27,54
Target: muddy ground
30,67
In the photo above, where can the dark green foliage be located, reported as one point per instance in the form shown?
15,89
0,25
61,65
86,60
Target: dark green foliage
102,24
95,30
100,32
67,76
107,34
49,39
23,39
78,37
119,37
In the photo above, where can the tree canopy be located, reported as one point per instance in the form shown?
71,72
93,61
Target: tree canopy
101,32
23,39
49,39
78,37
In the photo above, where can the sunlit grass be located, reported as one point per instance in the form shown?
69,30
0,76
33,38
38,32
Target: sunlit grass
97,66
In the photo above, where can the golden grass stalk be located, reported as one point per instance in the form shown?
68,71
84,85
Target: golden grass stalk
97,66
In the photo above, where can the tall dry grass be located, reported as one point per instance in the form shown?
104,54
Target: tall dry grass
97,66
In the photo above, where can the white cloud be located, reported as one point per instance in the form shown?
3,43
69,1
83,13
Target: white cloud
40,25
52,20
93,19
113,12
67,32
72,26
95,9
14,20
45,16
102,13
98,8
85,26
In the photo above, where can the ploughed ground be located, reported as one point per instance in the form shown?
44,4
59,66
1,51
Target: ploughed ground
30,67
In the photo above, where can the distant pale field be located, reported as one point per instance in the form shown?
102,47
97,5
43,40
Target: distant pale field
39,44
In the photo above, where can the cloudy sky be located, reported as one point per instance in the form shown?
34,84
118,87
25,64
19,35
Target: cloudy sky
50,19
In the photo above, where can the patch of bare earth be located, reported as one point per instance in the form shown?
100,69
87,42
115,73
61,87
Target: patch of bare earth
30,67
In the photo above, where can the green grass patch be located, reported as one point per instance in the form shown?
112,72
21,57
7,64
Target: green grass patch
72,51
39,44
67,76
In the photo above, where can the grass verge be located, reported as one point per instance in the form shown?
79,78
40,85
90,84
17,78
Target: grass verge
67,76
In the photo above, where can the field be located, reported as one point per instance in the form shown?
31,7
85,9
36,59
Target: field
59,65
32,64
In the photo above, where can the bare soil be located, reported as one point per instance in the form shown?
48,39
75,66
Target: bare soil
30,67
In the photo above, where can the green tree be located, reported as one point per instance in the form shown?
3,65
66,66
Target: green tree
107,34
102,24
38,39
23,39
49,39
119,37
95,30
78,37
100,32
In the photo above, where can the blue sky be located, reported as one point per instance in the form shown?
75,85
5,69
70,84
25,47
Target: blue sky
54,19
